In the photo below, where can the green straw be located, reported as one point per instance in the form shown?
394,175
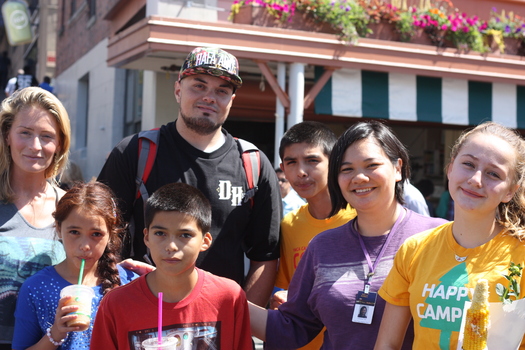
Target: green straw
81,271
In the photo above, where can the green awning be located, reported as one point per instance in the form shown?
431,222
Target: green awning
405,97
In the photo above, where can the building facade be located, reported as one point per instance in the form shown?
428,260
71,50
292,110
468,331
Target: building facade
117,62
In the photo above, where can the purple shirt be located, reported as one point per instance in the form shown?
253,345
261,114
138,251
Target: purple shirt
324,287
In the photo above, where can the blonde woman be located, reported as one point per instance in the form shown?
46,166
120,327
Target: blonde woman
435,272
33,149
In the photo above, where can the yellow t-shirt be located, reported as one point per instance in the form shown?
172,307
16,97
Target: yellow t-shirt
427,277
297,230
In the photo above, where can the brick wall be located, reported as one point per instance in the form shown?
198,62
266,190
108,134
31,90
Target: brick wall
77,31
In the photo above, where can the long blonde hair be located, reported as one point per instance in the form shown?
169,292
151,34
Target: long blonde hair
510,215
11,106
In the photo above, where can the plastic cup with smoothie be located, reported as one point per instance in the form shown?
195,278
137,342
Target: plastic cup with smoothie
167,343
82,297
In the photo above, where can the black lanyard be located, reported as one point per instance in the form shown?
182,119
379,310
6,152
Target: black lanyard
372,267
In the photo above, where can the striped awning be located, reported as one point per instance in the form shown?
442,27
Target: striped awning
405,97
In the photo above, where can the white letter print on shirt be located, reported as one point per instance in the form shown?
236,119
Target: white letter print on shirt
229,192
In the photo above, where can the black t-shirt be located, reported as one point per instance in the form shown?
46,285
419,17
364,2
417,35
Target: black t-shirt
236,227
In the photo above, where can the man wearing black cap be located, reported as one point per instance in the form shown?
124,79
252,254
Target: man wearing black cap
195,149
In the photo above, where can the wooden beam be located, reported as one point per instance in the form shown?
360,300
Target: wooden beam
319,84
281,95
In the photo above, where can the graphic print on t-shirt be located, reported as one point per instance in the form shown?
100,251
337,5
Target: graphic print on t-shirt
227,192
189,336
443,306
20,258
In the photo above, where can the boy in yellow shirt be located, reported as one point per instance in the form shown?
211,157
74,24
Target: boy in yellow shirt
304,150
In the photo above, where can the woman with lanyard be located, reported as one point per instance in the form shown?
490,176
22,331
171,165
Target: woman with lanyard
34,149
343,268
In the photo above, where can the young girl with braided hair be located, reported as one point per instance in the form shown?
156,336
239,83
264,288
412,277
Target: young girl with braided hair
89,226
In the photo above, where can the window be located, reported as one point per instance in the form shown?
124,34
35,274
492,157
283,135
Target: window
62,19
133,102
92,4
73,8
82,112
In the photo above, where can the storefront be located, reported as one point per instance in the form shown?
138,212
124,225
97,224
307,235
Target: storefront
428,95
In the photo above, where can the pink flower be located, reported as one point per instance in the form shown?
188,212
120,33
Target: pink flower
444,27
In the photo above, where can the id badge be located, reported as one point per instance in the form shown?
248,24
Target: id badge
365,304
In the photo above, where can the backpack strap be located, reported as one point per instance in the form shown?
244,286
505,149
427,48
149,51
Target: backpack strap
148,141
251,161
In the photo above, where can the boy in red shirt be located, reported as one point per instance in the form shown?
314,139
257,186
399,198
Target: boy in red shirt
198,307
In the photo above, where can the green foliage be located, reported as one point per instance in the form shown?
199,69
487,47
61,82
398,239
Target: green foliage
439,19
405,25
380,11
513,290
346,16
509,25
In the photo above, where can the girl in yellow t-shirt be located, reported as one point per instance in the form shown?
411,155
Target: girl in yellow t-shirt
435,272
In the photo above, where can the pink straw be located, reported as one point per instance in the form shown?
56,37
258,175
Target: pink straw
160,318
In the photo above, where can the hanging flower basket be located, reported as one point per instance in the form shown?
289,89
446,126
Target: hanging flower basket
513,46
259,16
443,27
494,44
421,38
383,30
438,37
510,46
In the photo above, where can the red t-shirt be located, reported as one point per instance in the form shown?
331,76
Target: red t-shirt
214,314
